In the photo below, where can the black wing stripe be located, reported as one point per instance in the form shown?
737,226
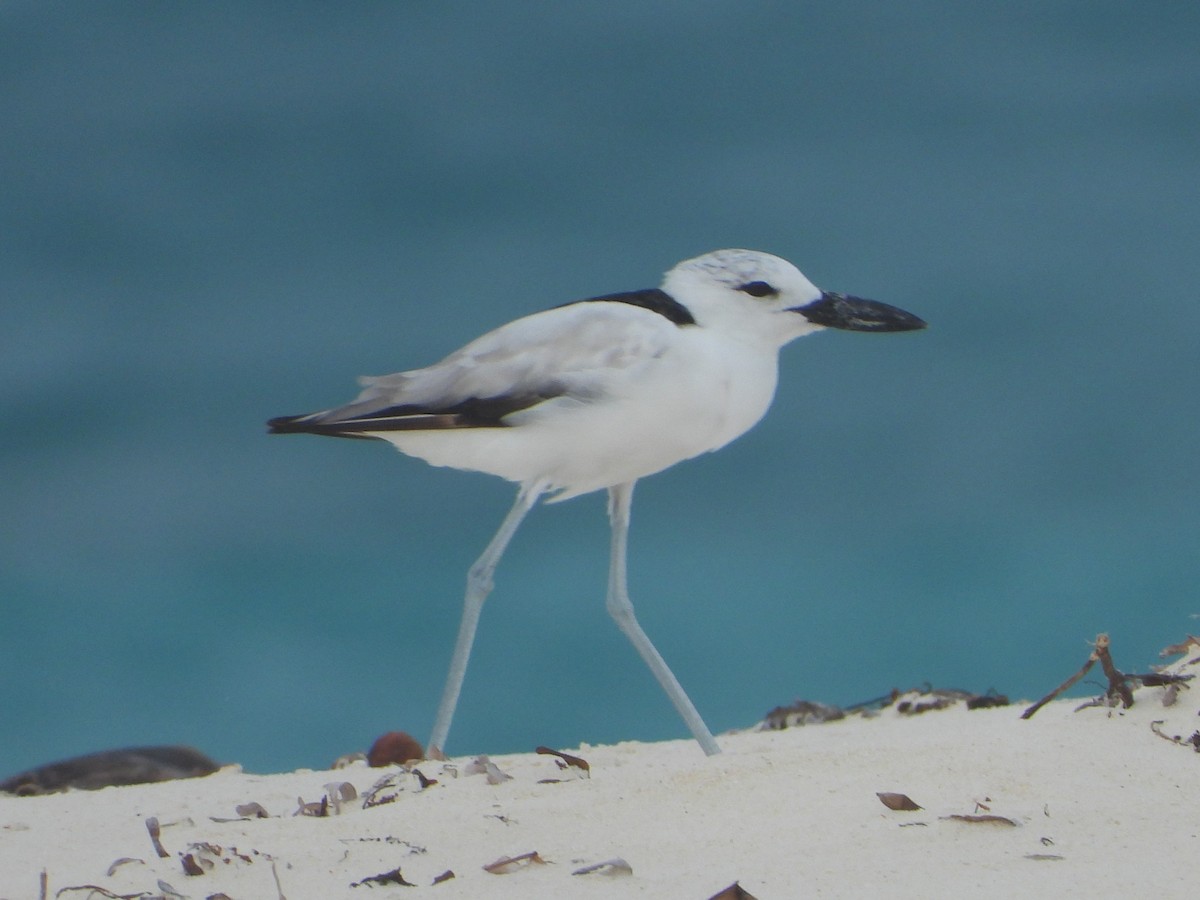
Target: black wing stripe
474,412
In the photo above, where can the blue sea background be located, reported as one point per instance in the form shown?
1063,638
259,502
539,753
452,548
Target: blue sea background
213,213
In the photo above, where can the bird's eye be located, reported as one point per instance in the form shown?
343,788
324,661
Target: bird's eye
759,289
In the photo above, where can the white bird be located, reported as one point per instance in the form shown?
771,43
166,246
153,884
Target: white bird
597,394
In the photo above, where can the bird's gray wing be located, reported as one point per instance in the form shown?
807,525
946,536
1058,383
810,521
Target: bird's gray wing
579,351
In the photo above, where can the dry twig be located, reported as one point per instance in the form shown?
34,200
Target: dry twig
1118,683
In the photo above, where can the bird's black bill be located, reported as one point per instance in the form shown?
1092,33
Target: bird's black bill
856,314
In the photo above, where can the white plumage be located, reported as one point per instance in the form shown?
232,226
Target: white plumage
597,394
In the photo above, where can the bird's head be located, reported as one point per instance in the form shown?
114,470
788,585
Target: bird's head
754,292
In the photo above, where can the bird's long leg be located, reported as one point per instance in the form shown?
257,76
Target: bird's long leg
620,608
479,585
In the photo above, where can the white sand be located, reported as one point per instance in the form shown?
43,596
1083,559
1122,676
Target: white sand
1103,807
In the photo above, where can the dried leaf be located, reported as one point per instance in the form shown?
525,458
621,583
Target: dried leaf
1043,856
346,760
190,866
1161,679
798,714
899,802
995,820
987,701
392,877
445,876
251,811
155,830
123,861
611,867
385,790
411,849
1185,646
389,788
734,892
567,758
208,854
927,699
506,865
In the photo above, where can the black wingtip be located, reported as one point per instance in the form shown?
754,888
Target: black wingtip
284,425
313,424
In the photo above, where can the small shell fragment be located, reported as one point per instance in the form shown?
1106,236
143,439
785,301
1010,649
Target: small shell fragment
506,865
481,765
615,867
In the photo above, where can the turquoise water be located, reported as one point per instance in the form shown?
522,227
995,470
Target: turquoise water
218,213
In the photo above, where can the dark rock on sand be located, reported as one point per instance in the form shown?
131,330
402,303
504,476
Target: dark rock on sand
133,765
394,748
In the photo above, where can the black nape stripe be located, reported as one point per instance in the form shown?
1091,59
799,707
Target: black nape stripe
653,299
